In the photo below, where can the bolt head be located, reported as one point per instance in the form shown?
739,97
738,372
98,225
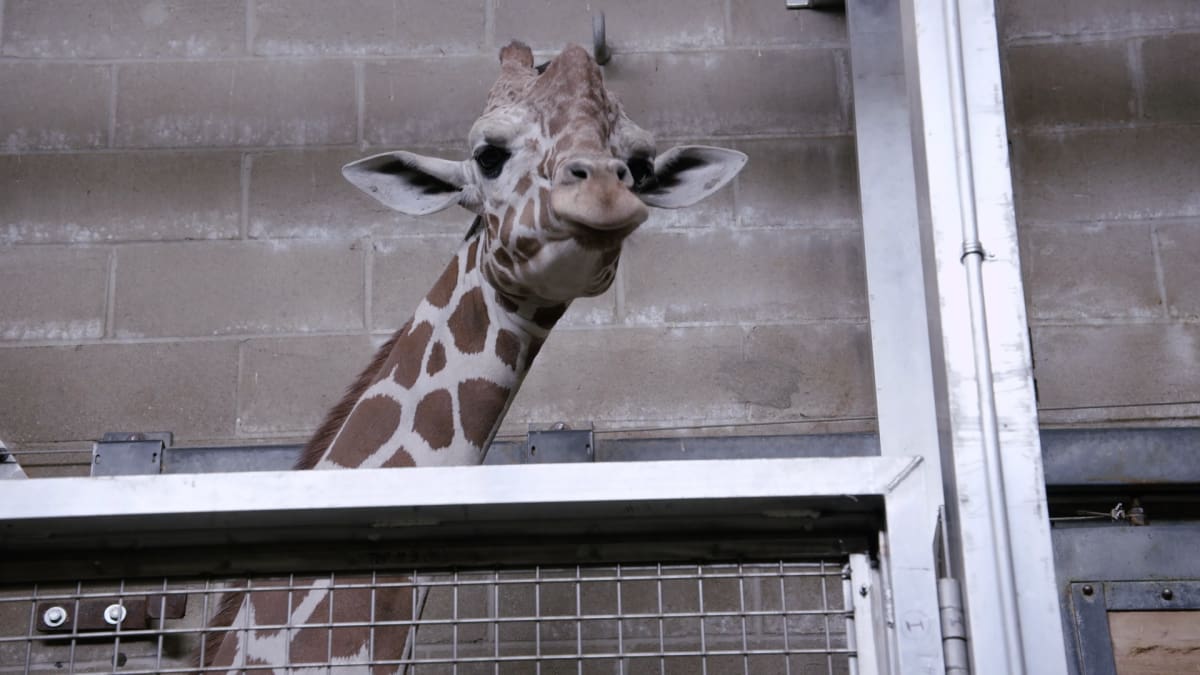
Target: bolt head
1167,594
54,617
114,614
1087,589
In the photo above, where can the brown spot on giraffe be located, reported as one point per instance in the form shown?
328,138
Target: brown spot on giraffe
528,247
503,258
434,419
469,322
370,425
437,359
508,347
443,290
399,459
480,403
404,365
472,252
523,185
506,228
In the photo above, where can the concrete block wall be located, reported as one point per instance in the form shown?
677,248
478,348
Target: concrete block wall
179,251
1104,120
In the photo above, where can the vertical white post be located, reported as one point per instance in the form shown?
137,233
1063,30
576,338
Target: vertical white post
982,369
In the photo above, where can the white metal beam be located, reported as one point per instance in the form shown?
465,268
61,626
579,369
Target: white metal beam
998,524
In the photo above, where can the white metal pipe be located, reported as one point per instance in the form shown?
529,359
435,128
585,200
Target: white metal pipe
972,259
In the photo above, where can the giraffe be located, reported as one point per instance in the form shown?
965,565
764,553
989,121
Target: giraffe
558,177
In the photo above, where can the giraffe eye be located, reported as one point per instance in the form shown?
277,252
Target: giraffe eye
641,168
491,159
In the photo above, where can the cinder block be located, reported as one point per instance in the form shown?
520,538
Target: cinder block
54,106
1034,18
669,24
52,293
701,94
799,182
1172,88
1130,174
1091,272
755,24
121,196
301,193
315,28
816,370
77,393
1069,84
287,385
1179,248
124,28
1115,364
402,272
225,288
757,275
236,103
623,375
425,101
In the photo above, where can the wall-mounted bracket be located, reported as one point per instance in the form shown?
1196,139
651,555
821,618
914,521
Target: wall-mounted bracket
130,454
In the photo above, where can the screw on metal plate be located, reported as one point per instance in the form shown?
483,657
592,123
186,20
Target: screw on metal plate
114,614
1087,589
54,617
1167,594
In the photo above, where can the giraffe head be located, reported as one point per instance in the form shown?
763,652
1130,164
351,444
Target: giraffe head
558,174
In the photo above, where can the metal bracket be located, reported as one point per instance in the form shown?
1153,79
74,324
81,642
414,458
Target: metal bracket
9,466
815,4
93,614
559,444
130,454
600,49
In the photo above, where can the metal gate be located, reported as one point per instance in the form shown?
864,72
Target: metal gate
720,566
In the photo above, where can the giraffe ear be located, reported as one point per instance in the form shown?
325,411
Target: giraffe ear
407,182
686,174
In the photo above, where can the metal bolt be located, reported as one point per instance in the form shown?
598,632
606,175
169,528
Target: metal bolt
1088,590
1167,594
862,590
54,617
114,614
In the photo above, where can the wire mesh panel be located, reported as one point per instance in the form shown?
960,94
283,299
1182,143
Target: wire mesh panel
778,617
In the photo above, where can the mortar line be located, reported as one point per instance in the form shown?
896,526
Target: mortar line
251,26
360,102
240,360
110,295
489,24
244,172
1,26
1137,74
729,37
1093,36
426,54
1159,273
368,282
114,72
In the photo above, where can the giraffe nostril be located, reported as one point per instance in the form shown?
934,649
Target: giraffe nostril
621,173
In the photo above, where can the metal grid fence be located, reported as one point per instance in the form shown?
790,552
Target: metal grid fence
761,618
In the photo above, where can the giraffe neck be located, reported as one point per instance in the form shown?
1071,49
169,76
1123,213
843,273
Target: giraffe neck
438,390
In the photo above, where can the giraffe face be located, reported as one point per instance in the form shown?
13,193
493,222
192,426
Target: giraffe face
558,174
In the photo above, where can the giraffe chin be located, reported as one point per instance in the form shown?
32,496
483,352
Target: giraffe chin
599,238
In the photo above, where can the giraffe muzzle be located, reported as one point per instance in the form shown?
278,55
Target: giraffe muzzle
596,193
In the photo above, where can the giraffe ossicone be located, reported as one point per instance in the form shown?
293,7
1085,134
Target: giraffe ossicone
558,177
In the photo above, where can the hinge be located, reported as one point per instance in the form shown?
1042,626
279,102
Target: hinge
130,453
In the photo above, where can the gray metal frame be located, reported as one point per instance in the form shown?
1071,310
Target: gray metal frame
1136,561
128,525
